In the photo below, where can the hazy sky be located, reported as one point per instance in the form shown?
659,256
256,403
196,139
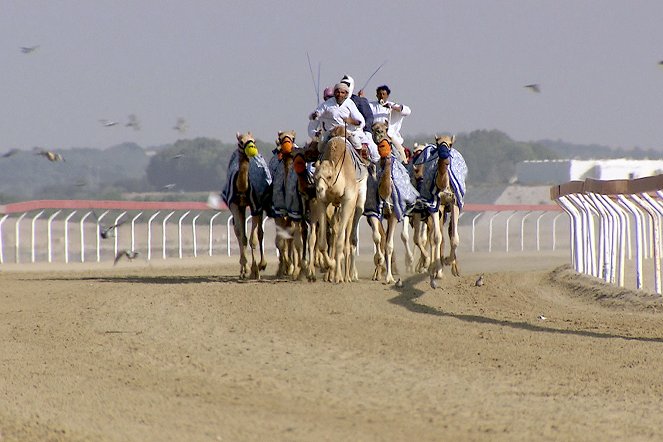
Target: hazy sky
228,66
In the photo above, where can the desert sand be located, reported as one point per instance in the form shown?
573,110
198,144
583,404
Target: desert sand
181,350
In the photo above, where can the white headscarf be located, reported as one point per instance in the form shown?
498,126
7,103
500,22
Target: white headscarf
350,82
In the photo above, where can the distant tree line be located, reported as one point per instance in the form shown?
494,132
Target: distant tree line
200,165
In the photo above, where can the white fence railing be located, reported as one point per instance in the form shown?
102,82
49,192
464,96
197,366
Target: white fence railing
607,219
70,231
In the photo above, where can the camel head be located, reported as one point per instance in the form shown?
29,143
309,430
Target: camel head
444,143
382,139
324,178
285,141
246,144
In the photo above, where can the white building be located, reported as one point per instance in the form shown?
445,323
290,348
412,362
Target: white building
560,171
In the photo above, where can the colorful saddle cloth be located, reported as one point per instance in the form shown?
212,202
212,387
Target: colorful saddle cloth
403,197
260,183
428,198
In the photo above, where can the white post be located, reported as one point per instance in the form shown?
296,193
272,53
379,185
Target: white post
83,235
211,236
18,235
32,234
99,235
639,237
179,232
622,220
163,235
66,236
193,234
228,235
117,233
2,256
149,234
508,218
577,232
522,231
49,234
646,203
133,231
538,231
490,232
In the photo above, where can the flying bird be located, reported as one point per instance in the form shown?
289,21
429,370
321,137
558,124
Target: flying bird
180,125
534,87
129,254
399,283
29,49
169,186
541,318
108,123
177,156
9,153
479,282
106,232
51,156
133,122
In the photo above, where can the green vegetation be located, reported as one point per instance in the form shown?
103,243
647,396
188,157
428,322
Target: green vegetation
172,172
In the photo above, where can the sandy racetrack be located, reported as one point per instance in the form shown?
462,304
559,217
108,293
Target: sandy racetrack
177,351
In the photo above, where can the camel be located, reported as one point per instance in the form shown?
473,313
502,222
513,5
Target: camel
448,207
288,239
395,205
247,184
338,183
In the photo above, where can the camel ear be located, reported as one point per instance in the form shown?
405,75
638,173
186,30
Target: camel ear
294,135
453,139
239,135
250,134
280,133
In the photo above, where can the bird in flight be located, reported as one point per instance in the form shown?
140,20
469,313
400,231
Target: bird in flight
51,156
9,153
130,254
29,49
168,187
108,123
133,122
180,125
177,156
534,87
106,232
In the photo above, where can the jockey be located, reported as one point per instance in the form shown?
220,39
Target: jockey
314,125
339,111
392,114
369,148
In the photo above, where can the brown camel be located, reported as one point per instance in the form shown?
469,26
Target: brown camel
239,203
448,208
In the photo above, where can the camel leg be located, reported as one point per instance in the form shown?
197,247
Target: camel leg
280,244
356,218
327,261
420,241
257,236
378,257
298,249
240,233
454,240
389,248
435,267
343,223
405,237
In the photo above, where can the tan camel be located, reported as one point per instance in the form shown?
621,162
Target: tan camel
238,205
337,184
448,208
288,238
